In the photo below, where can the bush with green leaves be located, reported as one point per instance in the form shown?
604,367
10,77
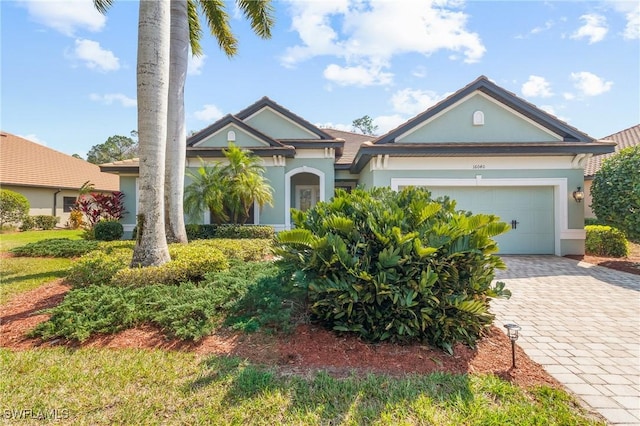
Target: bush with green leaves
615,192
606,241
45,222
246,250
98,267
396,266
13,207
55,247
251,292
108,230
202,232
27,223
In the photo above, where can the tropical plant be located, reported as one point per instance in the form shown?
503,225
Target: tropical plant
396,266
13,207
230,191
616,192
98,206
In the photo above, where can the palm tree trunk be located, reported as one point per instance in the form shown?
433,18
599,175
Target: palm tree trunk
153,83
176,132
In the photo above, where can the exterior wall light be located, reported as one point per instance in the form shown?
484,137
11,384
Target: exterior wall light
512,333
578,195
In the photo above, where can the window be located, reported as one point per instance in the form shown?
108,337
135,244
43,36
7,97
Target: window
68,203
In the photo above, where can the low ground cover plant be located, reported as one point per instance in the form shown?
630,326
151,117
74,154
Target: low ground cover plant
396,266
55,247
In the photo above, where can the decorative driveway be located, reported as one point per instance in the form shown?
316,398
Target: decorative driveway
582,323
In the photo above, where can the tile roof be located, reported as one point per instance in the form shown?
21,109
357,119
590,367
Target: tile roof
623,139
352,142
26,163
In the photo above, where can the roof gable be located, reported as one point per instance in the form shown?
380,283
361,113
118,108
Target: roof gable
217,135
26,163
527,112
278,122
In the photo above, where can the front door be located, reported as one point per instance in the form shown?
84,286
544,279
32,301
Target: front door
306,196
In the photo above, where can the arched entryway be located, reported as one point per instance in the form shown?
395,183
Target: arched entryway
304,187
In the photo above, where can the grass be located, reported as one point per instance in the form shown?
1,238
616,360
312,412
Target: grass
20,274
9,240
101,386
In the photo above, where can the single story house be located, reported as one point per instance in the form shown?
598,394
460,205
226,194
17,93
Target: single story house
49,179
485,147
623,139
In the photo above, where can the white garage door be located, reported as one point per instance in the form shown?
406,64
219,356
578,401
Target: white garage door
528,209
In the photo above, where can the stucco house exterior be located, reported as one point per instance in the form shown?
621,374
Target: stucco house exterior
48,178
623,139
485,147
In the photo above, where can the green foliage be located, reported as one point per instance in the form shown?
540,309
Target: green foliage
364,125
228,191
55,247
396,266
43,222
189,311
245,250
616,192
98,267
593,221
202,232
28,223
189,263
606,241
13,207
115,148
108,230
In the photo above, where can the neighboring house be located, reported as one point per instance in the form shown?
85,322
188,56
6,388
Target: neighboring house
49,179
623,139
483,146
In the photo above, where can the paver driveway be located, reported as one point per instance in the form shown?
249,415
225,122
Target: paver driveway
582,323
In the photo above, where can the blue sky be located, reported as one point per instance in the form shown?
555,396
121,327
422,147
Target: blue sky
68,73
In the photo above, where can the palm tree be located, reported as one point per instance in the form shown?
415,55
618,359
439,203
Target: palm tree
185,28
228,191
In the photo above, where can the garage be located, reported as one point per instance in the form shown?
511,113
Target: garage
528,209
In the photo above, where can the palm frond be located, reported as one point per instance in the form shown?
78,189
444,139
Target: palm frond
260,13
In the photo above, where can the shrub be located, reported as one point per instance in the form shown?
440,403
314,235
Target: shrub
592,221
98,267
396,266
45,222
97,207
203,232
616,192
76,219
108,230
246,250
27,223
13,207
606,241
55,247
189,263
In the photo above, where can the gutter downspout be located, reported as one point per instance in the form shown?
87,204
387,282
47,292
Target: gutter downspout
55,200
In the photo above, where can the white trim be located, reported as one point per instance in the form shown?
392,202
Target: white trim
235,129
487,97
311,153
479,163
256,213
560,194
255,114
287,189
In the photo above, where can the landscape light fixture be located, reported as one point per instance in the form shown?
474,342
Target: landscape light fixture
578,195
512,333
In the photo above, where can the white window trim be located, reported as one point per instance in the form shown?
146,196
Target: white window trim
560,197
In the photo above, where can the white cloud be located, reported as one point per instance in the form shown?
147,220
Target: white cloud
33,138
111,98
95,57
536,86
419,71
632,30
66,16
195,63
594,28
208,112
568,96
548,108
386,123
412,102
590,84
360,75
367,35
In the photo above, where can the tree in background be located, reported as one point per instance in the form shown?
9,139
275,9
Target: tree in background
13,207
115,148
230,191
364,125
616,192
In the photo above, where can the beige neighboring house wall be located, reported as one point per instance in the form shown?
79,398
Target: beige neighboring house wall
46,177
623,139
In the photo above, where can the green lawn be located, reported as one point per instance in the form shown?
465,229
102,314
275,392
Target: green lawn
101,386
9,240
